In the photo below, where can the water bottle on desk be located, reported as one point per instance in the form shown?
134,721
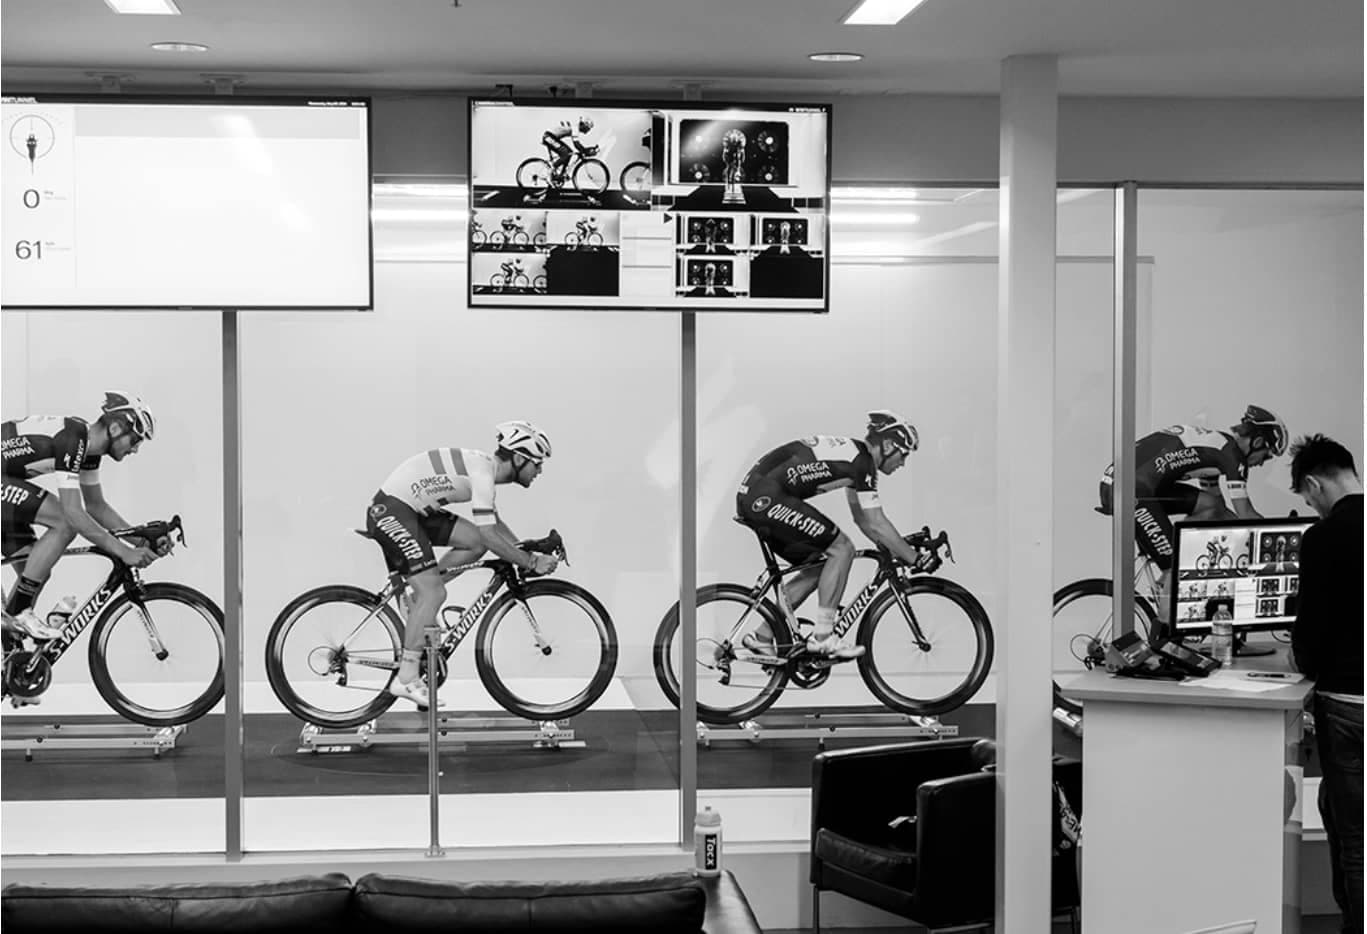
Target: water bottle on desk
1222,640
707,843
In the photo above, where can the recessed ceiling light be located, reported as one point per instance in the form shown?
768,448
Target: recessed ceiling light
836,57
179,47
144,7
880,12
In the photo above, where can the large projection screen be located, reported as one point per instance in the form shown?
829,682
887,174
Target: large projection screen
649,205
185,202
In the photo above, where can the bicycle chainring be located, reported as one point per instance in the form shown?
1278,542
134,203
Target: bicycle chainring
807,673
27,675
441,668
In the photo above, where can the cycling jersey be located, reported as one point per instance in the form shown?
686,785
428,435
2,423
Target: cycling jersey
435,479
771,499
43,444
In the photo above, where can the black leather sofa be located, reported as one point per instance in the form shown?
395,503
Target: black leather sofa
671,903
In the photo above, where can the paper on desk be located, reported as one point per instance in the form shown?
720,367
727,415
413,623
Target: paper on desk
1236,682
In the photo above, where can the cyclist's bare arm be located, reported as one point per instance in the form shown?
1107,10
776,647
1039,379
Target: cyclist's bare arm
73,509
1236,493
875,524
98,508
501,541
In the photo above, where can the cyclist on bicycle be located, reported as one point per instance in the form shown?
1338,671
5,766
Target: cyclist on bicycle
772,501
565,139
72,448
410,515
1190,471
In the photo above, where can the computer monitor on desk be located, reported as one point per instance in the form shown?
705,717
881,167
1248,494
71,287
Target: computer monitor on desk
1245,570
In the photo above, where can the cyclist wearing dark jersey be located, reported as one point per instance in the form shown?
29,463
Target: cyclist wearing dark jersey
772,500
410,515
71,448
1193,471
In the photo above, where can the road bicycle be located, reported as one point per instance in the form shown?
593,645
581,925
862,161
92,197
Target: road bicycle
1219,557
156,652
588,175
585,234
514,234
927,641
513,276
478,237
332,651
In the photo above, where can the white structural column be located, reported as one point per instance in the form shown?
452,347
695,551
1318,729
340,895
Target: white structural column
1025,467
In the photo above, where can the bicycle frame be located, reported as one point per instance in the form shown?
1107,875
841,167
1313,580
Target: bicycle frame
120,577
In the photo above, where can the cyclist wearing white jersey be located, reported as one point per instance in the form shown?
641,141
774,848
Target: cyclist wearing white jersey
410,515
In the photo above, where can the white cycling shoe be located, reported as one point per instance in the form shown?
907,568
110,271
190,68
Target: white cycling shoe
415,691
28,624
830,646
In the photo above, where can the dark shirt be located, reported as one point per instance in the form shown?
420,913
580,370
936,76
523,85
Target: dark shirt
1327,638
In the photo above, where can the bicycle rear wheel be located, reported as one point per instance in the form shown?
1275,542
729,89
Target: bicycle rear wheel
534,174
733,684
929,656
1082,610
159,660
548,652
330,654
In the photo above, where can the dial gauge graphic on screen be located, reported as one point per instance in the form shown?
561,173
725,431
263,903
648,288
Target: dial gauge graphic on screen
31,136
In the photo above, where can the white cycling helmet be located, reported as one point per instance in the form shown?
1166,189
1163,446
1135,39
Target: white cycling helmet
133,410
887,426
524,438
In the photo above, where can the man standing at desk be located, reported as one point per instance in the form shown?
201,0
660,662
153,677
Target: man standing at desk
1327,644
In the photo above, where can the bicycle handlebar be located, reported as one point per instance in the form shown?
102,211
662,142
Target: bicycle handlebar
152,531
929,547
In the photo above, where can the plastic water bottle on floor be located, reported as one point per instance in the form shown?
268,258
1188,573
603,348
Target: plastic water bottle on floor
707,843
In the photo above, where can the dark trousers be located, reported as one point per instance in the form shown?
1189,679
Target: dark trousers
1338,734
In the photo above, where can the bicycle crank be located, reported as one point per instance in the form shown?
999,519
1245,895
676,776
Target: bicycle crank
808,674
27,674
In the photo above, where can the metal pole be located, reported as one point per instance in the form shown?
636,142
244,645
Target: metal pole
233,764
433,636
1123,400
688,558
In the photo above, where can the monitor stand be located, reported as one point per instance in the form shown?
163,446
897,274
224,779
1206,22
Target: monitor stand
1243,650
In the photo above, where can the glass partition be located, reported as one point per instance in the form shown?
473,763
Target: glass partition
333,404
79,776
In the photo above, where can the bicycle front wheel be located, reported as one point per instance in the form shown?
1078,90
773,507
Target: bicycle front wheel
548,652
1083,611
158,659
635,182
929,652
592,177
330,654
735,683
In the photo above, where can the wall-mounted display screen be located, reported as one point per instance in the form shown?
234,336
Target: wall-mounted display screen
587,203
185,202
1244,570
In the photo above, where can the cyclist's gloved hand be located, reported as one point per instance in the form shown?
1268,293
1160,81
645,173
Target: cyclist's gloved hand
139,557
542,564
163,546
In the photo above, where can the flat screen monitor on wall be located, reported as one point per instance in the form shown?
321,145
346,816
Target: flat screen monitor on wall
1244,570
587,203
185,202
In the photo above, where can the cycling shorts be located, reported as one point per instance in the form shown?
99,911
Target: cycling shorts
1152,523
21,502
796,531
405,536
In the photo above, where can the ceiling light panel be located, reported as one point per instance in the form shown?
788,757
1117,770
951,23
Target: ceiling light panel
880,12
144,7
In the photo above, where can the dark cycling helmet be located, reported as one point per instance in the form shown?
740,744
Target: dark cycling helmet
524,438
1267,425
887,426
134,412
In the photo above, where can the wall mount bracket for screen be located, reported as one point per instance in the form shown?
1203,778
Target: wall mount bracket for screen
49,734
824,726
404,730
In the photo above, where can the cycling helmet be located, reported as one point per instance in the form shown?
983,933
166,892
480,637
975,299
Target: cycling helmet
1269,426
135,413
886,426
524,438
585,124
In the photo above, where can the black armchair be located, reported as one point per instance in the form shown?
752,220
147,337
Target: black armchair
939,871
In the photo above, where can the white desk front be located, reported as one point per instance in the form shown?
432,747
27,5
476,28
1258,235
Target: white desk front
1190,804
